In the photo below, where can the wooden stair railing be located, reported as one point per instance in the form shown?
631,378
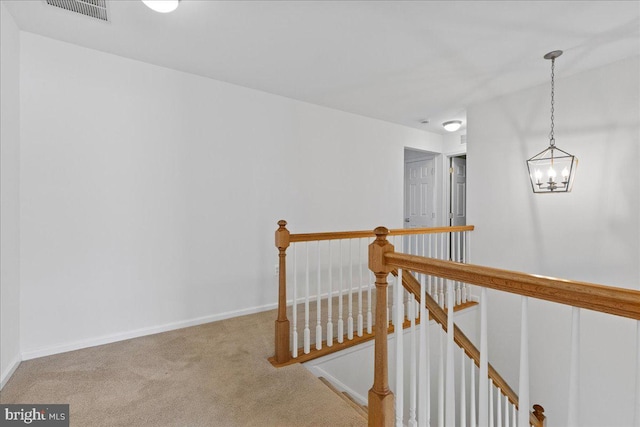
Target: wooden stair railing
436,312
283,240
380,397
383,260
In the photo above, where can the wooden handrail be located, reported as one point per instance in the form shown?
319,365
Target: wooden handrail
337,235
606,299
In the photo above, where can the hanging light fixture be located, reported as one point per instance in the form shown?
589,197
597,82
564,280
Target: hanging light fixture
552,170
162,6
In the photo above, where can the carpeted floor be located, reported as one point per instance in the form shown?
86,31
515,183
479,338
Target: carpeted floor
215,374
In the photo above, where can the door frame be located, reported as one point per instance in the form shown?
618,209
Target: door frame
446,196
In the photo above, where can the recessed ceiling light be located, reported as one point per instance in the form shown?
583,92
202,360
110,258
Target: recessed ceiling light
452,125
162,6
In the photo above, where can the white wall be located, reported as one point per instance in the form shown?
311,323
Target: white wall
591,234
9,196
452,143
150,197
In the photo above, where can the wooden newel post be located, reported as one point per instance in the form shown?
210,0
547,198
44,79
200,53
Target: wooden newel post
538,413
283,353
381,405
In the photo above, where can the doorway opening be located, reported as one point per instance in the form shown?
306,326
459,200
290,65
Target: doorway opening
457,205
420,189
458,190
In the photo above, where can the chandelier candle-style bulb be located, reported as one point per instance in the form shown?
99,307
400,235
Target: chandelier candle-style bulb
552,159
538,176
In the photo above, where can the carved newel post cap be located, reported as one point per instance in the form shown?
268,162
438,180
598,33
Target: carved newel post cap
381,233
538,412
282,236
377,249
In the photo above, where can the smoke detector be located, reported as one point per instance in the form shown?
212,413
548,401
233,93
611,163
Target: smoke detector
92,8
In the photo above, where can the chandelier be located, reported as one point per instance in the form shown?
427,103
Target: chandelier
552,170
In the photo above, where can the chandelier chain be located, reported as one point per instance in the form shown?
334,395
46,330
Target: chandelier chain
552,140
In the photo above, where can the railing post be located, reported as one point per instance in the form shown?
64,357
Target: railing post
538,413
381,405
283,353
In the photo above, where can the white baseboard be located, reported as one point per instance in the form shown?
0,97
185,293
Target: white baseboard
319,372
6,375
108,339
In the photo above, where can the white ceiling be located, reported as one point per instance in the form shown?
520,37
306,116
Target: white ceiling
399,61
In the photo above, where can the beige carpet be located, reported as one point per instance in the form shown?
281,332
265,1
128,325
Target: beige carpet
210,375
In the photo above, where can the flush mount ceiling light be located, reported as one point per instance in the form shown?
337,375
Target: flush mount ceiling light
452,125
552,160
162,6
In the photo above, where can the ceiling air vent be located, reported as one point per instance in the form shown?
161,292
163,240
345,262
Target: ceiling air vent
92,8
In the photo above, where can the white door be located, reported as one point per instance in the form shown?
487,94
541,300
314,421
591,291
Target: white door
419,178
458,171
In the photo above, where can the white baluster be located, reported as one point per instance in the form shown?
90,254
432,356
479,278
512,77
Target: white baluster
499,409
637,422
361,264
453,246
294,349
307,332
467,249
483,377
350,300
573,418
330,300
463,390
319,304
392,283
413,365
399,352
514,415
523,390
472,396
423,360
340,308
430,278
463,292
491,402
441,380
450,399
447,244
506,411
442,282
